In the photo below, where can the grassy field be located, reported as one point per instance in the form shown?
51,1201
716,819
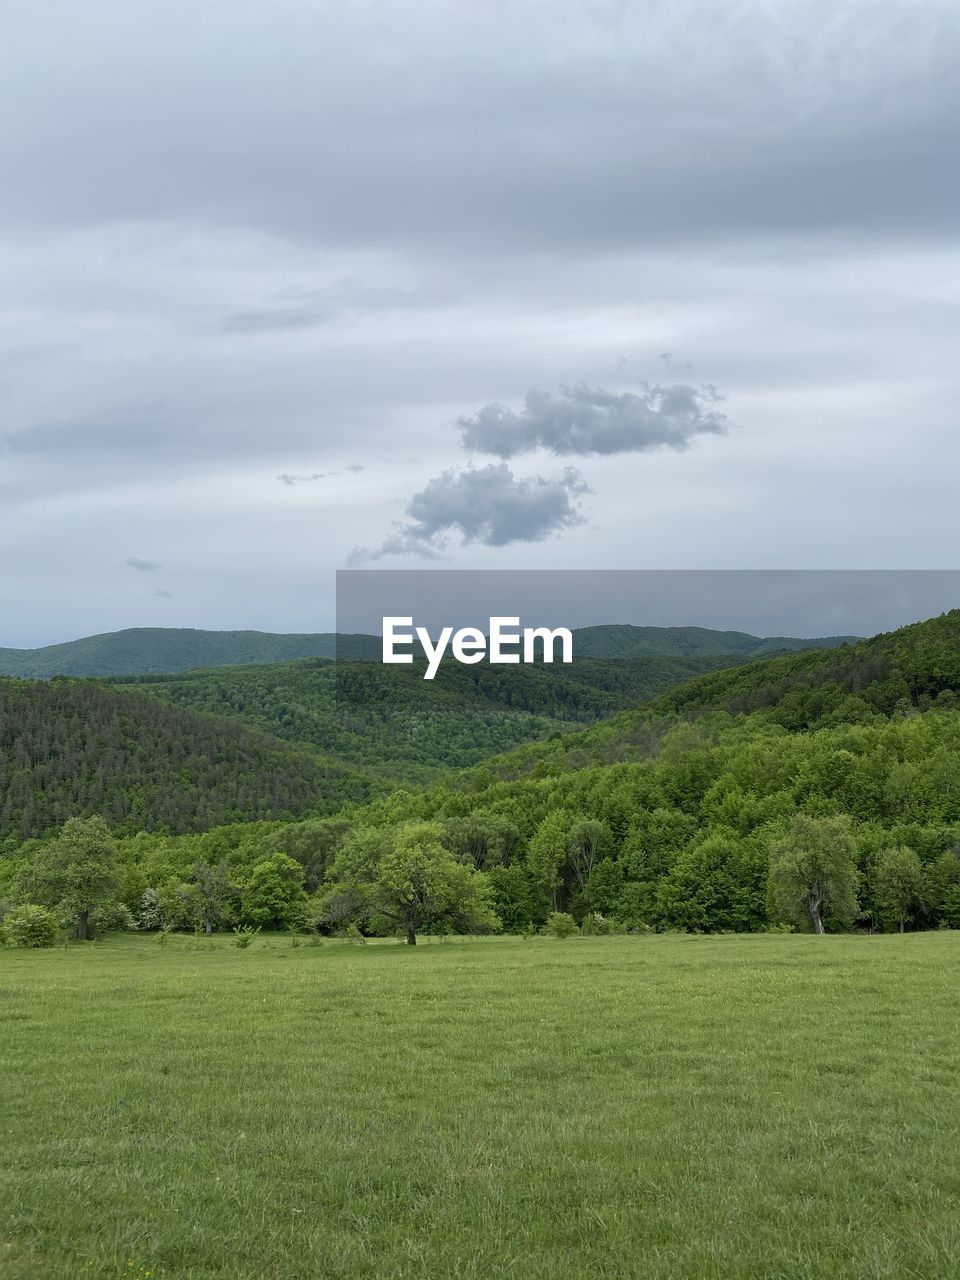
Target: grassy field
767,1106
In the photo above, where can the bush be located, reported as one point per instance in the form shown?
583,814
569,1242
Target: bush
597,925
30,926
244,935
111,917
150,912
561,925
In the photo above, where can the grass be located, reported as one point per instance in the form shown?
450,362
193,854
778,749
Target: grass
612,1107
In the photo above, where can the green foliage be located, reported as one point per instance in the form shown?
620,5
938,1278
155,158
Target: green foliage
244,936
941,878
152,649
273,895
813,874
390,720
75,874
215,895
75,748
484,839
150,914
596,925
111,917
145,650
950,910
897,886
547,858
313,844
742,794
560,925
719,884
516,899
410,882
29,926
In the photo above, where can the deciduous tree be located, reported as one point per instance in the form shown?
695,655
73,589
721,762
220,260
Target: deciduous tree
416,883
897,885
75,873
813,874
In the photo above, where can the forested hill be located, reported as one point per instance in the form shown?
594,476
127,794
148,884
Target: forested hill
667,816
912,669
388,718
158,650
687,642
73,748
673,815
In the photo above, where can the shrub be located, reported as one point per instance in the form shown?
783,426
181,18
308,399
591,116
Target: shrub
596,925
561,925
111,917
150,912
243,936
30,926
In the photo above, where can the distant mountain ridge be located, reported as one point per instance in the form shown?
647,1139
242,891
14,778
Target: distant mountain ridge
169,650
161,650
627,641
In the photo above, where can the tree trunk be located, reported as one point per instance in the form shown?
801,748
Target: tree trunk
901,926
411,936
83,925
816,917
207,927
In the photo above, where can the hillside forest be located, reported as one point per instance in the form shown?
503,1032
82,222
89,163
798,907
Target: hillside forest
817,790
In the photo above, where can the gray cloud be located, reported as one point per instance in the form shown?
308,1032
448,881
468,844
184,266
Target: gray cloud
487,505
585,420
164,595
619,130
291,480
144,566
308,308
325,245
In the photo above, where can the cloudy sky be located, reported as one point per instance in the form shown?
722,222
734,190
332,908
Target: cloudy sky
287,286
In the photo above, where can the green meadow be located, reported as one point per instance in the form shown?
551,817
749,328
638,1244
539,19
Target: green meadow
776,1106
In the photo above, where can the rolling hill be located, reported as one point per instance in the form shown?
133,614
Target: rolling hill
667,816
915,668
663,816
614,641
145,649
159,650
390,720
73,748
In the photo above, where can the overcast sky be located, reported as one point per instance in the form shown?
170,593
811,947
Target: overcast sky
287,286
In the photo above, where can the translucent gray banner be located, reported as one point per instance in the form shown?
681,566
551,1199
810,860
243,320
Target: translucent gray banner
765,603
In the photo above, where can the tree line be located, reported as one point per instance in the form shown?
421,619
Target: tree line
832,803
729,826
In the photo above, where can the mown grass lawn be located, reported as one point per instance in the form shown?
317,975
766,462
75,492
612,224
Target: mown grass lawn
767,1106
